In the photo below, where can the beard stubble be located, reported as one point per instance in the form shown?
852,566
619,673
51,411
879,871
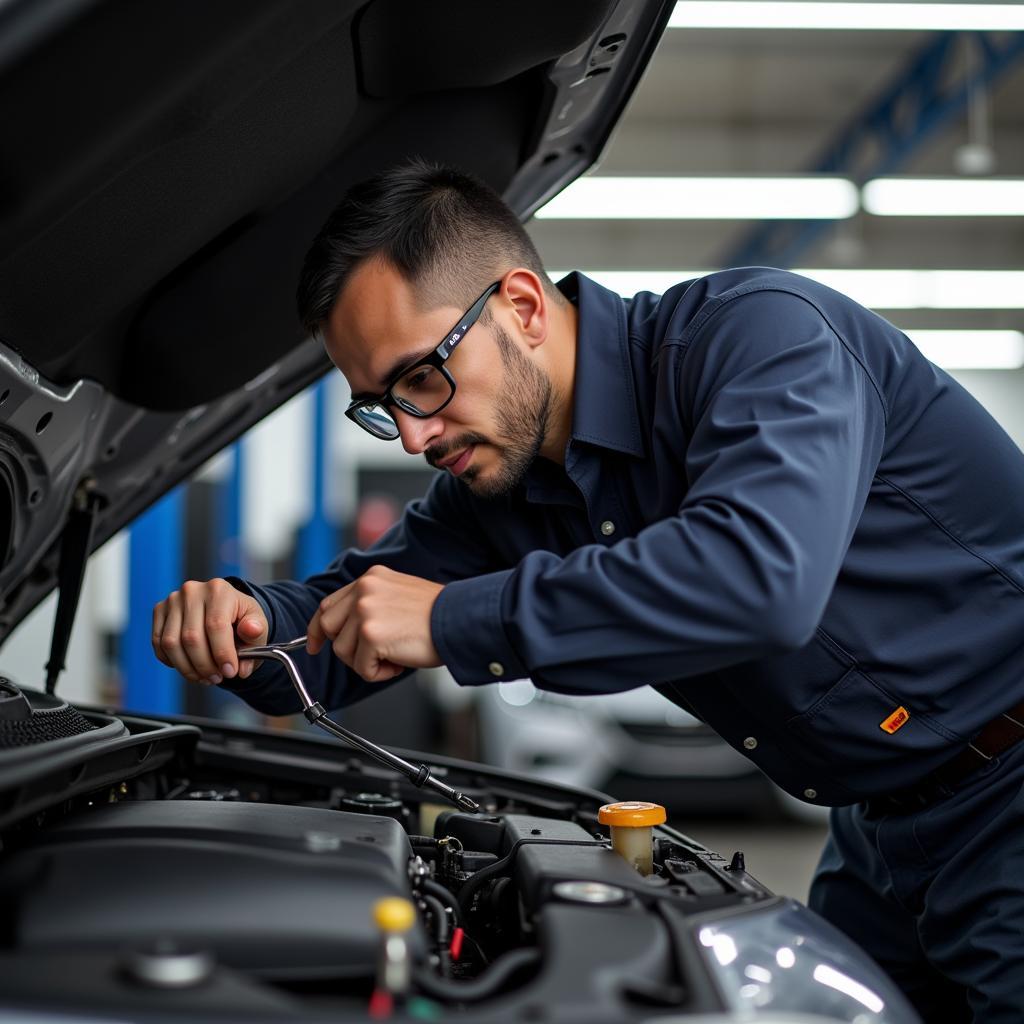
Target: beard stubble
523,415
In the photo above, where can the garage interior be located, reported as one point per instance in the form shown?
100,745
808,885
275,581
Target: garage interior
853,104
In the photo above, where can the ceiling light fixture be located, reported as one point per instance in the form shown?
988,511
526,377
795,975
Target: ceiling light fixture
971,350
945,197
948,17
927,289
816,197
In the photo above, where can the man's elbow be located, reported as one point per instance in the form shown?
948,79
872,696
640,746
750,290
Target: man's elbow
791,624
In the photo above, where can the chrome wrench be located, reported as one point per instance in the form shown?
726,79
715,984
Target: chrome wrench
418,774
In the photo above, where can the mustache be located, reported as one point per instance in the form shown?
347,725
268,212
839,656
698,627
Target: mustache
443,449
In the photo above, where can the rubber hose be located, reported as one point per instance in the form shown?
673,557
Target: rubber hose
437,912
480,988
447,898
439,916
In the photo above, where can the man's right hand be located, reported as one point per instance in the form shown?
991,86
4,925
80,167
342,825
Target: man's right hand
198,629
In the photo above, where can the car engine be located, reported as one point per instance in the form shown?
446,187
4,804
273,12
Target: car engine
169,866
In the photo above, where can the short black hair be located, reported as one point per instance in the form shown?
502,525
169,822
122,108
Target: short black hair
439,227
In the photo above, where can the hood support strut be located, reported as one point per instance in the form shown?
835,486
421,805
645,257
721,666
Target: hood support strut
75,545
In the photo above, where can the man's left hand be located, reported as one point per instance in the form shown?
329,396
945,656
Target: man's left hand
379,625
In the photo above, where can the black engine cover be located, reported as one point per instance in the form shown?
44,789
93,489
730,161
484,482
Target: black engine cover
270,888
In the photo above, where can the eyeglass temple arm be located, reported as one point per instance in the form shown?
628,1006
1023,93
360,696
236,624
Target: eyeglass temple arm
445,349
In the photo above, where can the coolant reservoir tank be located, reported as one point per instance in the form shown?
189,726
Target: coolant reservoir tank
394,918
632,824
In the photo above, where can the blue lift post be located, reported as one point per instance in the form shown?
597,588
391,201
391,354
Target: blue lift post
316,545
228,553
929,92
229,557
155,567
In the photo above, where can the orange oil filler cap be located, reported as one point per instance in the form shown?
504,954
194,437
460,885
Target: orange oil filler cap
632,814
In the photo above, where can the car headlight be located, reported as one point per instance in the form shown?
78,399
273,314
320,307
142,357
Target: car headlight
784,958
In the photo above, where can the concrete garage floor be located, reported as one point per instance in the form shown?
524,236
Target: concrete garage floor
779,854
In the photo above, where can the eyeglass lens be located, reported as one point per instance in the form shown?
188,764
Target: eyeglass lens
422,391
377,420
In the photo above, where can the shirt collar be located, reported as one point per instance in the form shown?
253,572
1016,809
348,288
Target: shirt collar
604,399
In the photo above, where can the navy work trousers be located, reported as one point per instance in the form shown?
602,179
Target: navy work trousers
936,895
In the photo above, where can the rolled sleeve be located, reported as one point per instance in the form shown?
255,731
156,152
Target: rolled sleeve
468,630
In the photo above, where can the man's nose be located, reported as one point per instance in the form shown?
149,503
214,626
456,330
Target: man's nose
417,433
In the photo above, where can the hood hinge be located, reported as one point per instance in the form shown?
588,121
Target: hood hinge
75,544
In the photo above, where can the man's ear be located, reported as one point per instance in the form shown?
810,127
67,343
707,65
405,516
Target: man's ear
524,291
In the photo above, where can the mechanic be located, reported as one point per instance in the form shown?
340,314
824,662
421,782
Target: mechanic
750,492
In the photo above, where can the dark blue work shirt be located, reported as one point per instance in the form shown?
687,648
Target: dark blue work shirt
773,508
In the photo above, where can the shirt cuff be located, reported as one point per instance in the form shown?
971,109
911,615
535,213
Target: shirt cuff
469,634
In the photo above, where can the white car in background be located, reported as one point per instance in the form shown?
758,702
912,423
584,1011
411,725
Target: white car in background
635,742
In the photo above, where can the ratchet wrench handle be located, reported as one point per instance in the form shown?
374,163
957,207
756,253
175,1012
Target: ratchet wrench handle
418,774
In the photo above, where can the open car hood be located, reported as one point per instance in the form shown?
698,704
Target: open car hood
165,168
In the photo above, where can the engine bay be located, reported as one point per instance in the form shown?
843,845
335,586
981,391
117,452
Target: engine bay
169,866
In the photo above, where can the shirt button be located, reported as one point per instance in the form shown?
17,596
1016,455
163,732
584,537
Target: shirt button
496,668
750,743
810,793
607,527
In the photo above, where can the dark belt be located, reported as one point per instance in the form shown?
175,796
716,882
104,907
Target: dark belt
995,738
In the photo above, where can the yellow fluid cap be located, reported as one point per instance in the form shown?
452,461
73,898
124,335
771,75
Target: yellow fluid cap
394,914
632,814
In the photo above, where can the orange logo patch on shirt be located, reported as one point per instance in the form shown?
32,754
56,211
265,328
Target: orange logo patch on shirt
896,720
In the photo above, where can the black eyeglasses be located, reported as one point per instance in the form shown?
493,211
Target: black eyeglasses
422,391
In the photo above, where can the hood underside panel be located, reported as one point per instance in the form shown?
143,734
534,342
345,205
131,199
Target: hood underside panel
174,161
167,165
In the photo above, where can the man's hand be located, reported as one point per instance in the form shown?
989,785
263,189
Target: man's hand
195,630
378,625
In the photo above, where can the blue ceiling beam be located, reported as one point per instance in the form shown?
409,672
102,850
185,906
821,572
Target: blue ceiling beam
925,96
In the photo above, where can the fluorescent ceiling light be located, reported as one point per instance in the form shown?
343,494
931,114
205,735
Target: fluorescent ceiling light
798,198
971,350
927,289
950,17
945,197
876,289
